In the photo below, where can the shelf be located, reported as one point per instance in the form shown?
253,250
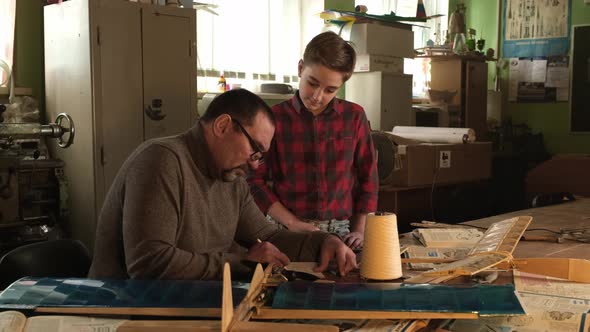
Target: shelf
259,94
456,57
17,91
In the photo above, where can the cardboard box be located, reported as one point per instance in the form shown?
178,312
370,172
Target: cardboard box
384,63
425,164
377,39
562,173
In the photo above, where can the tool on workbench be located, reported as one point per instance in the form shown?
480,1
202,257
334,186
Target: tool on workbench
550,238
576,234
434,224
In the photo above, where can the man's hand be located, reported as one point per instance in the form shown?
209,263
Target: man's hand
301,226
334,248
266,252
354,240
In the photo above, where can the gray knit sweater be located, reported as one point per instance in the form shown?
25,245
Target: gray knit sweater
167,216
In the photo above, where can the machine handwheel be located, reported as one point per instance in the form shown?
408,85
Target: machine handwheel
70,129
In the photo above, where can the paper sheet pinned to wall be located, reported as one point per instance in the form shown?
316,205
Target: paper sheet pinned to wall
539,79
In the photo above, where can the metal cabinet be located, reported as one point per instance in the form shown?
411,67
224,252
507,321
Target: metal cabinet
386,98
468,77
125,72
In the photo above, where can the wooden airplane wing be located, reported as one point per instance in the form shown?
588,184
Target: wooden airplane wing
495,247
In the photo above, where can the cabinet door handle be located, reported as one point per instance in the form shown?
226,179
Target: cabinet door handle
154,111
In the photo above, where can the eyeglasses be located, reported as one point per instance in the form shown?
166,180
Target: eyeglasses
257,155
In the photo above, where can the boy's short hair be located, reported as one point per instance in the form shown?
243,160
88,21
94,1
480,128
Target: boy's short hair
330,50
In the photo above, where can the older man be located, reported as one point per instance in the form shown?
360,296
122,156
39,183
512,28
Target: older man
180,204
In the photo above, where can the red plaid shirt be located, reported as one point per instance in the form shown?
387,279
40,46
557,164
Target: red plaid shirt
321,167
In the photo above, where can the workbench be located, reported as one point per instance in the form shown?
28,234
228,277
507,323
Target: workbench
569,215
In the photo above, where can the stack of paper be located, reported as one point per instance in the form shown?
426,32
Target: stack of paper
448,237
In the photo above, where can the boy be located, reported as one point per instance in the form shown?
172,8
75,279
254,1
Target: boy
321,162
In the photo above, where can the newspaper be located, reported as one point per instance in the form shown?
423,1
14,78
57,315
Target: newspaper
537,284
71,324
544,314
423,252
552,305
14,321
449,237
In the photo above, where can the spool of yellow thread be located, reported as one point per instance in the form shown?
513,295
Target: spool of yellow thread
381,254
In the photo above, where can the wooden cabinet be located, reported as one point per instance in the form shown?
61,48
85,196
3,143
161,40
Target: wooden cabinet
445,202
125,72
467,76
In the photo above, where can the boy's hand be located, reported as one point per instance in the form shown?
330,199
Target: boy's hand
334,248
354,240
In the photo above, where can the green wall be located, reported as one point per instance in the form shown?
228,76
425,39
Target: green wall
28,48
339,4
551,119
483,18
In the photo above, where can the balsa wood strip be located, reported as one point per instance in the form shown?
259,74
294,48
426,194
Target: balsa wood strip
269,313
170,326
283,327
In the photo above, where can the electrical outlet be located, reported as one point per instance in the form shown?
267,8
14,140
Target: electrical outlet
444,160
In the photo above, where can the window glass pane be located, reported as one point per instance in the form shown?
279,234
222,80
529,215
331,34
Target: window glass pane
255,37
285,37
7,12
241,35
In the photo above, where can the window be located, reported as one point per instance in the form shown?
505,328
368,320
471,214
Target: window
434,29
253,41
7,12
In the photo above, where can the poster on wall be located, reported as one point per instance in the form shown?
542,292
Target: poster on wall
534,28
539,79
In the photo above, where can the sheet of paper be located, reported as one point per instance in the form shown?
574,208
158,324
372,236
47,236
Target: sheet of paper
423,252
558,77
525,68
537,284
306,267
547,313
538,71
514,78
544,313
12,321
449,237
71,324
